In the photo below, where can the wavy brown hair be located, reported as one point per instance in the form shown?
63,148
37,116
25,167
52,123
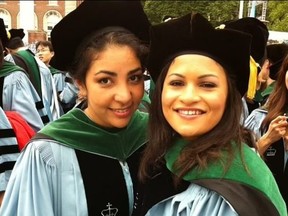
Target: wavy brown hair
277,103
198,153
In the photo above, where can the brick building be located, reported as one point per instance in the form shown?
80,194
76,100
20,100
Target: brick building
44,16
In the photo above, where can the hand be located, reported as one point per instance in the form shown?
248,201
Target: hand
285,139
277,129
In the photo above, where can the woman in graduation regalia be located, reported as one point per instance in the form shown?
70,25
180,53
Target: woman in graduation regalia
196,140
269,123
86,162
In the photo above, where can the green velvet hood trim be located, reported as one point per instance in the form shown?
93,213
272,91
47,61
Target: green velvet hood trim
258,175
76,130
268,90
54,70
30,61
8,68
260,95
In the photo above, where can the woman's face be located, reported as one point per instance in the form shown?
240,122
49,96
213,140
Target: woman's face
194,95
114,87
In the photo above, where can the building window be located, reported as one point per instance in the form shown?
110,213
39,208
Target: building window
51,18
6,18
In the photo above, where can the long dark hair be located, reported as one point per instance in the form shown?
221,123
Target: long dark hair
198,153
277,102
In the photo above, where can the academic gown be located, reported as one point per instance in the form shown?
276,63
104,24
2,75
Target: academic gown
66,89
18,94
275,156
83,170
9,150
42,81
213,193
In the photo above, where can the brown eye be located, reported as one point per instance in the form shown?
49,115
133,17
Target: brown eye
176,83
104,81
208,85
136,78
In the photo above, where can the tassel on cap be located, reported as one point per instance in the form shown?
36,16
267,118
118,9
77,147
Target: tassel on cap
252,79
8,34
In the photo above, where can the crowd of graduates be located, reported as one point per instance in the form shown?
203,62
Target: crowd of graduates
121,117
33,93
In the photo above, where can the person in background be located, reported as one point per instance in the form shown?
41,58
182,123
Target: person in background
86,162
269,123
14,135
268,74
9,151
15,42
39,73
14,130
65,86
259,32
17,92
196,140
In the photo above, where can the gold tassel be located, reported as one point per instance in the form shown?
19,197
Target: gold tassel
252,79
8,34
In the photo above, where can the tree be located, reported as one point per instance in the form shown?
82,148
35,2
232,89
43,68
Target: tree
215,11
277,16
221,11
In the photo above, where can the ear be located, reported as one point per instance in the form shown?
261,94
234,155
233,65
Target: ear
52,53
82,93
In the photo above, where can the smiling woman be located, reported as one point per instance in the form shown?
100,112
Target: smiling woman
194,93
197,161
116,74
87,161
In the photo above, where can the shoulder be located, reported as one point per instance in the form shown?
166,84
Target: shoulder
259,112
17,76
193,200
49,151
255,118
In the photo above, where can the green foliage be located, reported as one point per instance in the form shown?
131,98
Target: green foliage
217,11
277,15
221,11
156,10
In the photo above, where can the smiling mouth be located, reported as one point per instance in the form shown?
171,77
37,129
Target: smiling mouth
190,112
120,110
122,113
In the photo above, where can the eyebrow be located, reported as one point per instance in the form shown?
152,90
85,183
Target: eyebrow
111,73
200,77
